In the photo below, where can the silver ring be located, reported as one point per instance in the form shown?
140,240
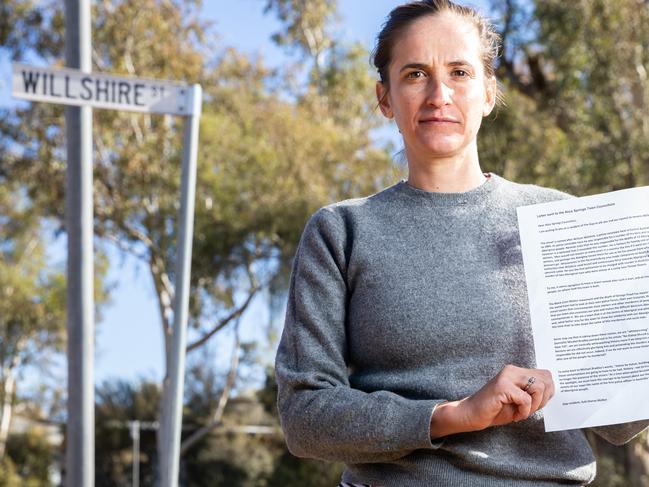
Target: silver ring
530,381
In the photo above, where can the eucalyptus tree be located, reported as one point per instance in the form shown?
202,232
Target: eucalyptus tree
31,318
575,77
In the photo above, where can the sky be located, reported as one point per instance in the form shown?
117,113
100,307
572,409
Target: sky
128,337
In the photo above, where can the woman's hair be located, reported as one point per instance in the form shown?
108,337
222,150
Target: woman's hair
404,15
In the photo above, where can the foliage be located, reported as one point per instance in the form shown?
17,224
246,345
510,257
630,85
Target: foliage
32,456
8,476
32,298
293,472
306,27
32,301
226,457
118,403
576,82
20,21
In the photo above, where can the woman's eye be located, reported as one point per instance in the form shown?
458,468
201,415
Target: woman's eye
416,74
459,73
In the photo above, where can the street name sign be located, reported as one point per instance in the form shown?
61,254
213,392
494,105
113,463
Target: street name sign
74,87
98,90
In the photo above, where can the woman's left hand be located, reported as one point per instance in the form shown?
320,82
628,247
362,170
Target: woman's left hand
510,396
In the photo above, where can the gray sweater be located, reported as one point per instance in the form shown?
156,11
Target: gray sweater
398,302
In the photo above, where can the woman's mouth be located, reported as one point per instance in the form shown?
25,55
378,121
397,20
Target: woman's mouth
438,120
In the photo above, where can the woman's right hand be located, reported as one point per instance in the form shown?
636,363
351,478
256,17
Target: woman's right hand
500,401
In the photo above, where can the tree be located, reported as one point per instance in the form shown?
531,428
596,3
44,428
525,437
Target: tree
31,312
32,457
32,300
576,79
306,28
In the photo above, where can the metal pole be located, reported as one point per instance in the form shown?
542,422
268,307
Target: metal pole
172,422
135,434
80,451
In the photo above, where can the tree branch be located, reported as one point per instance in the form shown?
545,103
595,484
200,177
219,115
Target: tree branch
165,293
507,67
197,435
125,248
8,381
222,323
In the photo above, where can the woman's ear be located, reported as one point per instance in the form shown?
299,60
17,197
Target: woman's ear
490,100
383,100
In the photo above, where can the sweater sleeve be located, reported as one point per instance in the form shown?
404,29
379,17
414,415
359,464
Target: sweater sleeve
619,434
321,415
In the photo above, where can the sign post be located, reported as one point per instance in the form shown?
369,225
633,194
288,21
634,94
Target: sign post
172,420
83,89
80,447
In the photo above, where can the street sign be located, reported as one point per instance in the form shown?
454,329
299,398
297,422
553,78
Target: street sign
86,90
74,87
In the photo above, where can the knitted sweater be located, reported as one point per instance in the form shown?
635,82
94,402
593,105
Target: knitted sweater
398,302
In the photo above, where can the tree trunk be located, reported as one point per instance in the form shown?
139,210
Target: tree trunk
164,293
6,407
199,434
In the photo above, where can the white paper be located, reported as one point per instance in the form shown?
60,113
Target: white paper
587,271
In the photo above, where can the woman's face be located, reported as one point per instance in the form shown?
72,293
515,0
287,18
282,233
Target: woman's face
437,92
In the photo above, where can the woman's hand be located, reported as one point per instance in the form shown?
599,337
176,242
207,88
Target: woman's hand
502,400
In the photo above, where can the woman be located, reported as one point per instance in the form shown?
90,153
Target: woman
407,350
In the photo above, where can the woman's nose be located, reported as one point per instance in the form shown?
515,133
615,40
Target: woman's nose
439,94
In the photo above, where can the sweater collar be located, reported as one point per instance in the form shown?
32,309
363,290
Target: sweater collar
472,197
